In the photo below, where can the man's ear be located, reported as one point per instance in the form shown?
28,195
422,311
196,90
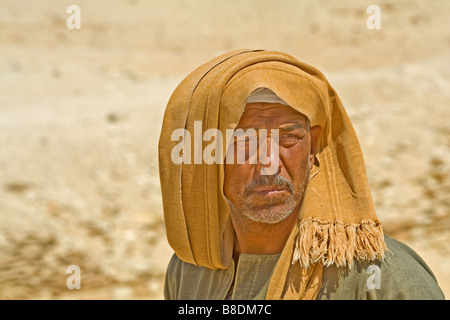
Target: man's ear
315,133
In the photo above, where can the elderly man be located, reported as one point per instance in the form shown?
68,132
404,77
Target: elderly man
265,193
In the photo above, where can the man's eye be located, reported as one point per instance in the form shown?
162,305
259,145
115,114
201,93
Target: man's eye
242,142
287,140
289,136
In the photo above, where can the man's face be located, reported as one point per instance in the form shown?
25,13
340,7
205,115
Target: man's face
271,198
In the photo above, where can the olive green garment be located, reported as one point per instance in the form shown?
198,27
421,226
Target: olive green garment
401,275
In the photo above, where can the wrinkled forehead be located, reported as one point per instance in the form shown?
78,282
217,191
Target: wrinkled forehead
264,104
271,115
274,82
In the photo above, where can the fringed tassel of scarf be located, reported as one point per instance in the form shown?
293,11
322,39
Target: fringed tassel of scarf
338,243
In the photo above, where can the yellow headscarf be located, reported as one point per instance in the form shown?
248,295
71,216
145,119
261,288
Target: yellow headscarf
337,221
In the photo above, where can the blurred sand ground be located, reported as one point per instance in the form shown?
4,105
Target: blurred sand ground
81,112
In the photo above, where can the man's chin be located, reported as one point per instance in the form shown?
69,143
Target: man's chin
269,214
268,210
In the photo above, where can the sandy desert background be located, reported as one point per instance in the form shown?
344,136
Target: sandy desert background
81,112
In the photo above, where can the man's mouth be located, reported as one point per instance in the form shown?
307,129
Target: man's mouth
266,188
269,190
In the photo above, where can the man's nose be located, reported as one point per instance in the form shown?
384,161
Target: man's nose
268,161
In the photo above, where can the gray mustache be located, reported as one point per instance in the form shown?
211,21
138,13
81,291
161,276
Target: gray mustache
263,181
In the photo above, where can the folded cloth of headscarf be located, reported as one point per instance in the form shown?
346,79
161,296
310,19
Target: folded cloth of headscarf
337,222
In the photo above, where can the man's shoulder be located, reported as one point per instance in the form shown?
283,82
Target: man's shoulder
402,274
178,268
401,258
176,265
188,281
177,273
174,274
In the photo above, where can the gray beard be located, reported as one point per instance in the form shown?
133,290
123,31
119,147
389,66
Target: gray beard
274,211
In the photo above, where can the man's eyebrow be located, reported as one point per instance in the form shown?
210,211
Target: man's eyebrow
284,127
246,128
291,126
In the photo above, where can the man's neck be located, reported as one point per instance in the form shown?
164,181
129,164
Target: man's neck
261,238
